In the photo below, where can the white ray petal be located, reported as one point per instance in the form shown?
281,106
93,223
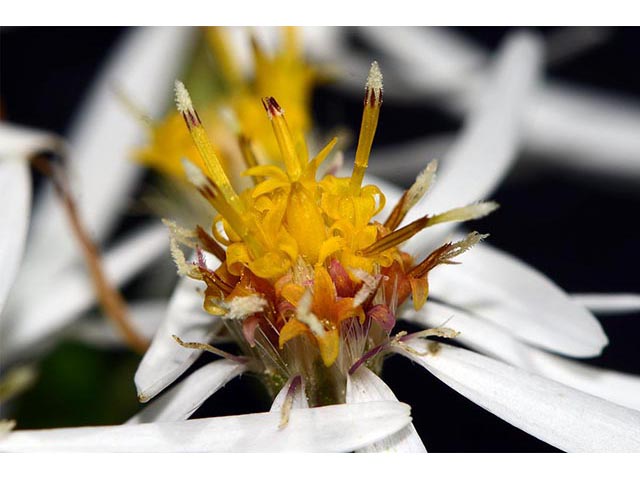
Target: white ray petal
568,124
561,416
608,303
586,129
567,43
335,428
322,42
299,397
489,142
146,316
15,209
438,67
365,386
494,285
61,300
182,400
488,338
104,134
21,142
165,360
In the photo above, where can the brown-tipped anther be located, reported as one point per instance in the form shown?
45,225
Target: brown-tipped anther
191,118
209,348
371,99
207,193
371,110
445,254
396,238
397,214
272,107
188,119
433,259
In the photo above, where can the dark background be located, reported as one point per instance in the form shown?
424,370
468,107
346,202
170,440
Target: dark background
581,229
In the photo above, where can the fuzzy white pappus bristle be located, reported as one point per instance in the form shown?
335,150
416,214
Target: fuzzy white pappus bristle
240,308
422,184
462,214
182,97
374,79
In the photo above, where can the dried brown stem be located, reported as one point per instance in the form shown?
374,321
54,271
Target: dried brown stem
110,299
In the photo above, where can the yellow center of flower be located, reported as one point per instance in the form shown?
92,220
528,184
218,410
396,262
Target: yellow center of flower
237,109
308,275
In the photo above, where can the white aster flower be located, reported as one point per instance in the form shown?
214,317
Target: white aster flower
501,307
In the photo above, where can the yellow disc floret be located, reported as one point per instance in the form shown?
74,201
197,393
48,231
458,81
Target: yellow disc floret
237,110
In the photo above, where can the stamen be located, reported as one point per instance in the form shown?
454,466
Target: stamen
202,143
184,103
412,196
284,138
445,253
184,268
396,238
210,191
462,214
372,104
181,234
209,348
470,212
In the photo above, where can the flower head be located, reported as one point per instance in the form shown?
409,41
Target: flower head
233,114
310,279
496,314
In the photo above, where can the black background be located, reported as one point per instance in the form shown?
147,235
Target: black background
580,229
